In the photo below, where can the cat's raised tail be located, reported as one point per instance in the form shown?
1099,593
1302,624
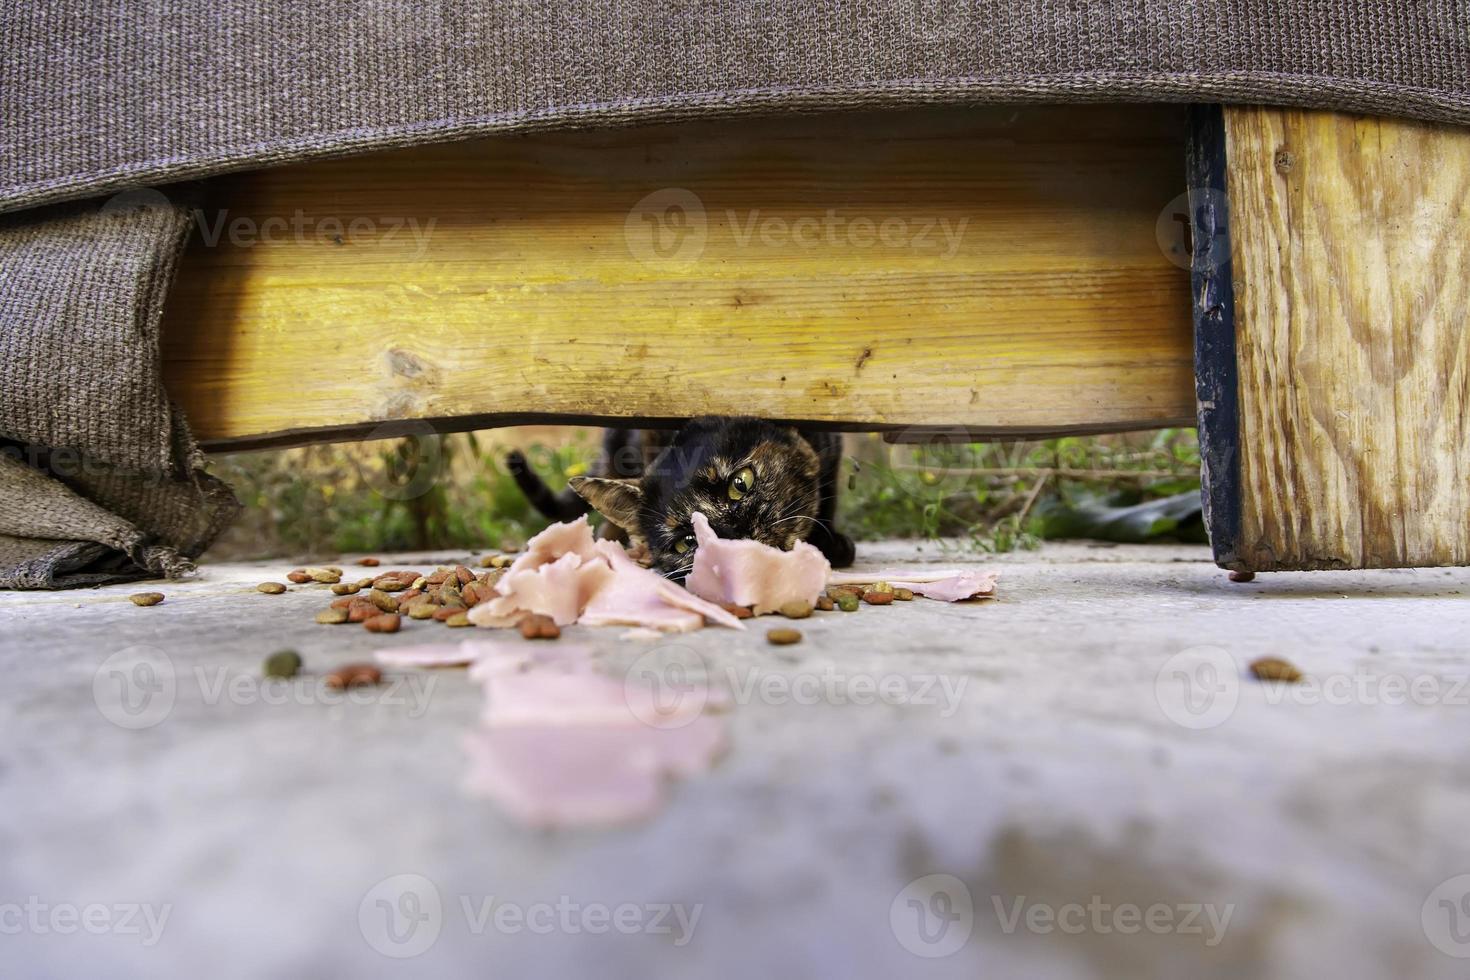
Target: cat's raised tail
564,506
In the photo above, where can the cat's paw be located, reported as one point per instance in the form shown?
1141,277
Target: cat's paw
835,546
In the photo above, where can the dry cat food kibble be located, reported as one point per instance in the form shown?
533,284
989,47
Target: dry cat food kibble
298,577
383,601
535,627
326,576
331,617
1276,669
847,602
282,663
783,636
353,675
270,588
422,609
795,609
346,588
383,623
1242,576
881,587
824,603
739,612
146,598
878,598
368,562
460,618
903,595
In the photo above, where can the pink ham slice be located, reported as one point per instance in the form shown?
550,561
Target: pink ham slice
639,597
593,583
558,775
428,655
495,658
540,697
947,584
966,585
556,541
559,589
748,573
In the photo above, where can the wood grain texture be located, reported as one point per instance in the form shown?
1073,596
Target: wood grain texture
1351,255
991,268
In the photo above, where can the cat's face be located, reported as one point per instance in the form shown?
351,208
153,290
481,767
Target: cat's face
750,478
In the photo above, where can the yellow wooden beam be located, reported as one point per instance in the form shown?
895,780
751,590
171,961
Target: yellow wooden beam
992,268
1351,269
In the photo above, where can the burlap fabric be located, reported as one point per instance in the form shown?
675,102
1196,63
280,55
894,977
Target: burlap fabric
98,97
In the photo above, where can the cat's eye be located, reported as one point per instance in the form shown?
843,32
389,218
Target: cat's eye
684,544
742,483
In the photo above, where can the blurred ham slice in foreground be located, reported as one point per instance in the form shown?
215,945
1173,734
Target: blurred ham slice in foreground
563,744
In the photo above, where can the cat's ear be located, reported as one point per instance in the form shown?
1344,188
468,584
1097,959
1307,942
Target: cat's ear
617,500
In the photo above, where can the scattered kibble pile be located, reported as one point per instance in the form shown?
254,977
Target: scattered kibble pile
382,602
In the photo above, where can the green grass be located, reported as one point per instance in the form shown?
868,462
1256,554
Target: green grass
452,492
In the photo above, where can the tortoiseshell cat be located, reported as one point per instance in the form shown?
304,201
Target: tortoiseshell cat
750,478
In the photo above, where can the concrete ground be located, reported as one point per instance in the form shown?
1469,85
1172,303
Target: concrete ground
1077,780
